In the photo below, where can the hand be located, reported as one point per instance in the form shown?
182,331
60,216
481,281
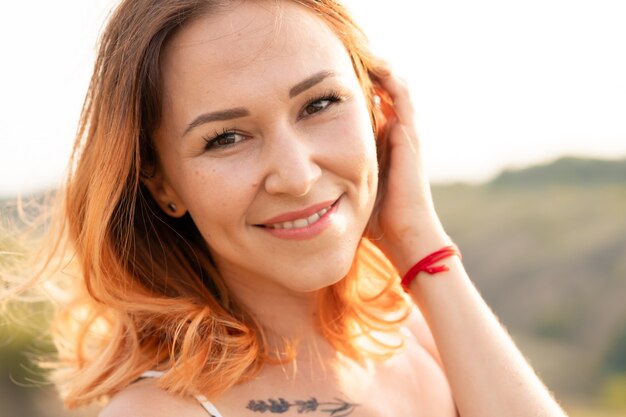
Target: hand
404,224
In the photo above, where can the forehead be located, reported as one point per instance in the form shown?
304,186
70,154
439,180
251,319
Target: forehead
251,46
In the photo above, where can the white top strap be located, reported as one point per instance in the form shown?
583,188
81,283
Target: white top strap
204,402
208,406
152,374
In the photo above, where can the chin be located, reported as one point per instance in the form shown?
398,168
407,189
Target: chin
330,272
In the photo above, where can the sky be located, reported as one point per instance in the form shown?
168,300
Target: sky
495,83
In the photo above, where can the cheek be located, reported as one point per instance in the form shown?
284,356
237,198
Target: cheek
359,146
216,195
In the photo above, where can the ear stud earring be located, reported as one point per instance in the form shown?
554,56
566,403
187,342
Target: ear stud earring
172,207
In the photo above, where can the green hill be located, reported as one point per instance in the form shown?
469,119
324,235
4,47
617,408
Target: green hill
566,170
547,248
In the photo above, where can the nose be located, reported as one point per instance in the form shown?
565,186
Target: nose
291,165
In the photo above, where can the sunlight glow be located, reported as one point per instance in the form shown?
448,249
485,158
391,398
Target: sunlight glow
495,84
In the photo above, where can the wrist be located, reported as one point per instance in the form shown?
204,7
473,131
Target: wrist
413,249
431,264
415,243
407,245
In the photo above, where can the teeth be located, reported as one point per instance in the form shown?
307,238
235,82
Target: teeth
313,218
300,223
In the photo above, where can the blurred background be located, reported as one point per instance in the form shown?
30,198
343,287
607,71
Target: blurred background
522,113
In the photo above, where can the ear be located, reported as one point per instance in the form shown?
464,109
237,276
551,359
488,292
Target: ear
164,193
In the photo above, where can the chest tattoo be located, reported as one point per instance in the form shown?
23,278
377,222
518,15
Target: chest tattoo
336,408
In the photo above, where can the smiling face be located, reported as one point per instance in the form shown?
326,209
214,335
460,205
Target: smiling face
265,139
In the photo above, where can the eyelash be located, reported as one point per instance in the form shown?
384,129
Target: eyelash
331,96
212,141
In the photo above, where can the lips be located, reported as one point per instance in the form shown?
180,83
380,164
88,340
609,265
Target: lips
299,218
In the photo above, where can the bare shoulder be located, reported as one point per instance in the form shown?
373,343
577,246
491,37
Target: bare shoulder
144,399
416,324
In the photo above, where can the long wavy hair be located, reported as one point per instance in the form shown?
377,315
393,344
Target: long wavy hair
143,290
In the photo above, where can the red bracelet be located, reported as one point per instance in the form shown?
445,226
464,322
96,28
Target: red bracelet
426,265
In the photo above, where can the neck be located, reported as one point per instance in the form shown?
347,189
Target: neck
284,315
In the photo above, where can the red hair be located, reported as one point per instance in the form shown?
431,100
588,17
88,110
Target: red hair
127,313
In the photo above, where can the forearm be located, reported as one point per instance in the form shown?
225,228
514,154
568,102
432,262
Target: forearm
487,373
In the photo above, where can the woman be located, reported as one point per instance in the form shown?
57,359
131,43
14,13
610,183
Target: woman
232,156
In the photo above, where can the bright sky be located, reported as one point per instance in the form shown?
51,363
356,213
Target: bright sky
495,83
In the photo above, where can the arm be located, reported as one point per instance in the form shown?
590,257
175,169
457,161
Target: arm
487,373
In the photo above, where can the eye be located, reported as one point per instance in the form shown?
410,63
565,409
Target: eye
223,140
320,103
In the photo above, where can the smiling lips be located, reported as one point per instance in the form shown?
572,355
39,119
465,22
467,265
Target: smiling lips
300,219
299,223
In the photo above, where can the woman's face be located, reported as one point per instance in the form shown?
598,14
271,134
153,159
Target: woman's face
266,140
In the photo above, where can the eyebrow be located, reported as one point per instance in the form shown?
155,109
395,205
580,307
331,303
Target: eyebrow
314,79
239,112
217,116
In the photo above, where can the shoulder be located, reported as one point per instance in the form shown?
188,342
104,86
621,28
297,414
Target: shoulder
144,399
417,326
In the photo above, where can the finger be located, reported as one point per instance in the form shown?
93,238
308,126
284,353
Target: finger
401,135
398,91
